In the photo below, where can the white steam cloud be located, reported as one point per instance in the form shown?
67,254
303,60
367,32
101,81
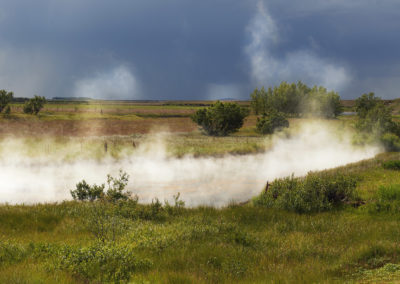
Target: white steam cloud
119,83
305,65
201,181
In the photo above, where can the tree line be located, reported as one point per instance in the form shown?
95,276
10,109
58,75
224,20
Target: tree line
296,99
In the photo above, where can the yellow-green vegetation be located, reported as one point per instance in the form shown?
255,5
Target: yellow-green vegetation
102,241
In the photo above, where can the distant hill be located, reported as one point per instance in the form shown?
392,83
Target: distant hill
71,99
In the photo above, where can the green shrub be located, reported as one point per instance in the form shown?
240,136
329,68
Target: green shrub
391,142
314,193
12,252
104,263
220,119
5,99
116,187
104,221
267,124
84,191
34,105
115,191
391,165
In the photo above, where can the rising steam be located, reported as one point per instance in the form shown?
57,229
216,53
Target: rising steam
210,181
268,68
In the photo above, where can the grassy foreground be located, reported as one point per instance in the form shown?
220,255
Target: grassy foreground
75,242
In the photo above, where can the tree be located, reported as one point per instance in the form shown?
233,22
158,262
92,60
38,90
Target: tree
267,124
5,99
34,105
221,119
365,103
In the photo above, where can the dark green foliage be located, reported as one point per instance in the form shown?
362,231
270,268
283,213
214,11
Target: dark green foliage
365,103
267,124
391,165
391,142
296,99
104,263
220,119
115,191
34,105
5,99
375,119
11,253
314,193
84,191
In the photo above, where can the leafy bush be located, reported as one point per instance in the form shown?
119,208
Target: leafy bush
220,119
11,252
84,191
5,99
314,193
104,263
267,124
115,191
104,221
116,187
365,103
34,105
391,165
391,142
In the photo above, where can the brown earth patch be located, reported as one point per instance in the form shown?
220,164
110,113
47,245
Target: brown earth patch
94,127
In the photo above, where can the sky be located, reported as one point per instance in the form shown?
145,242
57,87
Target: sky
195,50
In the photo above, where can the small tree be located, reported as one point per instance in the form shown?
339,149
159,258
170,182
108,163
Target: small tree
5,99
221,119
34,105
267,124
116,187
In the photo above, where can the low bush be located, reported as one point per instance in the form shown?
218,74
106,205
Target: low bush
116,189
391,142
221,119
314,193
104,263
391,165
11,252
34,105
267,124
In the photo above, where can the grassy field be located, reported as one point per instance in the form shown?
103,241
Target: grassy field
96,242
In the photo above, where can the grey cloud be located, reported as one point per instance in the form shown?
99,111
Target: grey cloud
269,69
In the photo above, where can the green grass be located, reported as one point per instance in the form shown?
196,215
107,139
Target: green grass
54,243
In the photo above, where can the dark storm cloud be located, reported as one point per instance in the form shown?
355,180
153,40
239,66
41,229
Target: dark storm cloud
181,49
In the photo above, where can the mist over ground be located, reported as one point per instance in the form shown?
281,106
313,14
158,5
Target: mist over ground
201,181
